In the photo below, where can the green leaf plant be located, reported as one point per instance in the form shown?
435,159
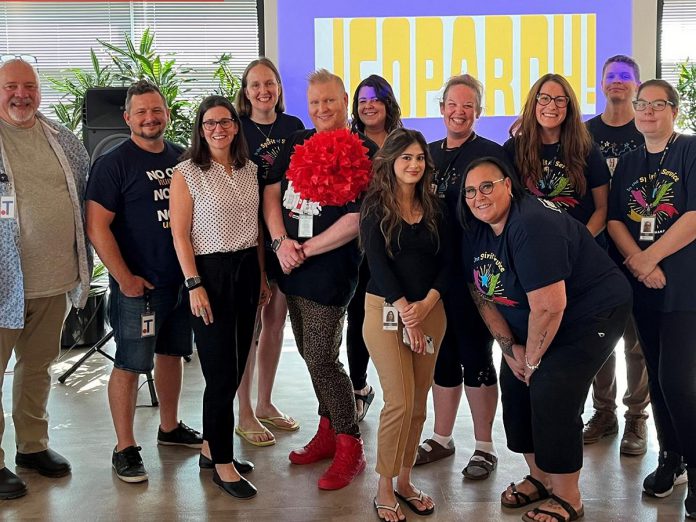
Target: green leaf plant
686,86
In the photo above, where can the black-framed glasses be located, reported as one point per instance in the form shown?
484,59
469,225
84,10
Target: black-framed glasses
559,101
657,105
484,188
225,123
24,57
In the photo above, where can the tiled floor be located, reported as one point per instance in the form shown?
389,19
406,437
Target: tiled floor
81,429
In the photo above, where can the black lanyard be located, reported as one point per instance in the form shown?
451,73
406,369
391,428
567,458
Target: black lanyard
651,182
455,157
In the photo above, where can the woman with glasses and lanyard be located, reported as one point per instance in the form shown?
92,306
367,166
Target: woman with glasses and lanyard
214,207
652,220
557,304
466,354
555,156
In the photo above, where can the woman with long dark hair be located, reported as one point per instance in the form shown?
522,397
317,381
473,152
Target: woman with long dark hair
214,206
265,126
403,232
375,113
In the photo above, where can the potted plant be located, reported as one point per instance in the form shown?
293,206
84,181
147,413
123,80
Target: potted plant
686,86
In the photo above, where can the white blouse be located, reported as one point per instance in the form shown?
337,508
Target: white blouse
225,207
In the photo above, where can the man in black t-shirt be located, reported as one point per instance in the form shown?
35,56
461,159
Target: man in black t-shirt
318,253
615,132
128,224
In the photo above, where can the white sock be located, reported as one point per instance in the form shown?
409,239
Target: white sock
446,442
486,447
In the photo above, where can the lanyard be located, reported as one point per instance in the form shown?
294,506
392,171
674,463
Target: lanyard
455,157
651,183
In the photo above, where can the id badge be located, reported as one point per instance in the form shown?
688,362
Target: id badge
647,228
147,324
7,207
306,228
390,317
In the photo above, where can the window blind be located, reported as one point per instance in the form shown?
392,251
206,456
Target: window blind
678,40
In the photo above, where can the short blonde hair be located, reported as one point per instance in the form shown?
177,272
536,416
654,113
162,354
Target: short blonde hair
324,76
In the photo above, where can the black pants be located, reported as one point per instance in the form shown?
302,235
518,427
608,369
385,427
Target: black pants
358,356
545,418
232,281
669,345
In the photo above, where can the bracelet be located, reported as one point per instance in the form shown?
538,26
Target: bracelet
531,366
192,287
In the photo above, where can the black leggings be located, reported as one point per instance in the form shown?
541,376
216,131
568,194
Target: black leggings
358,356
544,418
669,346
232,282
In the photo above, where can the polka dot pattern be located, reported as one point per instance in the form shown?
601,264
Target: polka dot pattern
225,207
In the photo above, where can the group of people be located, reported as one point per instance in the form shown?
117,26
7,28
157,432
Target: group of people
554,245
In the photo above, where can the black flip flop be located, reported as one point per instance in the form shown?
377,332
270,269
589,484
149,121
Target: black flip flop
572,514
366,400
409,502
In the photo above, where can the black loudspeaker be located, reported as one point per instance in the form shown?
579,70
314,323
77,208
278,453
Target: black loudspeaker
103,126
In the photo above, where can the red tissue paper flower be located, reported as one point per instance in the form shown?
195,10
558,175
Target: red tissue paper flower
330,168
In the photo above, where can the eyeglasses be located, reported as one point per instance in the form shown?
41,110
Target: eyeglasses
24,57
657,105
225,123
559,101
484,188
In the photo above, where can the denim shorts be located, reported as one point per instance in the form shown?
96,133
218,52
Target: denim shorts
173,334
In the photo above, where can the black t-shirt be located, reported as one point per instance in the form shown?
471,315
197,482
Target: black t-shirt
450,165
328,278
265,140
555,185
420,261
614,141
635,194
134,184
541,245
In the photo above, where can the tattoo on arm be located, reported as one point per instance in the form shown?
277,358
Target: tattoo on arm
479,300
505,343
542,338
482,304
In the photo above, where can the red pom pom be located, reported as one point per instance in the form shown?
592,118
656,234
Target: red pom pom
330,168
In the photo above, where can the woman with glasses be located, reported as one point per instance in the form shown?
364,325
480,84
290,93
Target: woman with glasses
557,304
402,230
375,113
265,126
555,156
214,206
466,355
652,220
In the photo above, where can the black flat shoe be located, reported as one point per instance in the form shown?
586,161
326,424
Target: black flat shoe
242,466
47,462
241,489
11,486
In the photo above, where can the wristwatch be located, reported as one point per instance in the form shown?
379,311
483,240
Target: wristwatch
193,282
275,244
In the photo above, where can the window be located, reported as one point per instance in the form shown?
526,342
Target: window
677,37
60,34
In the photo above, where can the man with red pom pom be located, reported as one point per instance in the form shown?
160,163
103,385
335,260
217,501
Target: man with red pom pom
317,248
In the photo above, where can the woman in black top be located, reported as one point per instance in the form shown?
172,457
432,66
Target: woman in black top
265,126
555,156
375,114
403,233
652,220
556,304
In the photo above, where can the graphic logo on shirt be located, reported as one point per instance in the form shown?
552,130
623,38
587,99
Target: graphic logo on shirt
443,180
654,198
267,152
162,178
612,151
488,270
297,206
554,185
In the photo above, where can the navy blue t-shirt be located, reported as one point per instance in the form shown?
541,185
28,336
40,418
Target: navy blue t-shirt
329,278
613,141
541,245
555,185
265,140
668,196
134,184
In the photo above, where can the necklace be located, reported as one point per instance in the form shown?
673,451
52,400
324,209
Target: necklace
267,136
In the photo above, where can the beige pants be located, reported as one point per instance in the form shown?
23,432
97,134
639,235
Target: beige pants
637,396
36,346
405,378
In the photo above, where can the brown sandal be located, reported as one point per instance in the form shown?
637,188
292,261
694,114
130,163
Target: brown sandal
523,499
572,514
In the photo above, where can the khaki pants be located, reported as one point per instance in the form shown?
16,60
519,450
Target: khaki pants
36,346
405,378
637,395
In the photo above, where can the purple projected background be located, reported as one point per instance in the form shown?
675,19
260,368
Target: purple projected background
297,54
